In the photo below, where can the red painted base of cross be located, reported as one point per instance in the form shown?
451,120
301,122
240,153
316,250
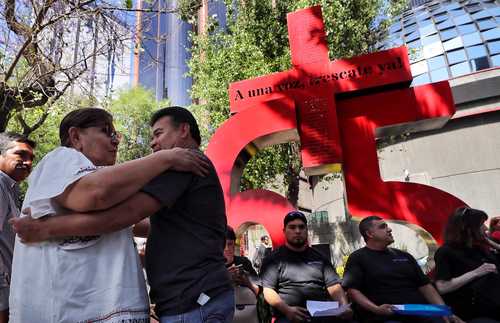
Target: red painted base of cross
340,105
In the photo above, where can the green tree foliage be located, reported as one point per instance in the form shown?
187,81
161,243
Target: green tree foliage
255,43
132,110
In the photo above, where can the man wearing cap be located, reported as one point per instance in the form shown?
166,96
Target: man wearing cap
296,273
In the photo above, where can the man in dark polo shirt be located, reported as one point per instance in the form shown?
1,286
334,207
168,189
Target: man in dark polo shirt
185,261
296,273
377,277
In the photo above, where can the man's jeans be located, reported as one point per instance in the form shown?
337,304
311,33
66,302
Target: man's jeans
219,309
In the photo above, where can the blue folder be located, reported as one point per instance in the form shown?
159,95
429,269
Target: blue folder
423,310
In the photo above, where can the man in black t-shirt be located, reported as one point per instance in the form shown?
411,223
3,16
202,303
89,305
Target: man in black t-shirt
295,273
377,277
185,261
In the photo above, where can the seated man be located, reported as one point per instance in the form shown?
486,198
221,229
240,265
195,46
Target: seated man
296,273
376,277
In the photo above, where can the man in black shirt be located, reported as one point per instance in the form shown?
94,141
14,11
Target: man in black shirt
185,262
376,277
295,273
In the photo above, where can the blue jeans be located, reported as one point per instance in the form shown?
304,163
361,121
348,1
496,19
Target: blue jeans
219,309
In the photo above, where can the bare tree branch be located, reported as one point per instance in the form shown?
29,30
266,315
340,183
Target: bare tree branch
37,69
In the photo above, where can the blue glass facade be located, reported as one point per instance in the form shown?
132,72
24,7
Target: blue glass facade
165,51
447,38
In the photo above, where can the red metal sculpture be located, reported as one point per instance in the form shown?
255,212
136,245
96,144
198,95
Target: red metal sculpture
339,105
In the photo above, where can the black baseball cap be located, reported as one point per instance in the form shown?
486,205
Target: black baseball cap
294,215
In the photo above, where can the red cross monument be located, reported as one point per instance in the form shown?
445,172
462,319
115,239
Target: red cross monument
335,109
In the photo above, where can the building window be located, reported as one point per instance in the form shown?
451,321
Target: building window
480,63
448,33
418,68
430,39
445,24
486,24
462,20
494,47
428,30
472,39
433,49
495,60
460,69
491,34
476,51
436,62
456,56
421,79
453,43
466,29
439,75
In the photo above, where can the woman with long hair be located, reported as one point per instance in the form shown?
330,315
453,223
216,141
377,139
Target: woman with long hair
466,269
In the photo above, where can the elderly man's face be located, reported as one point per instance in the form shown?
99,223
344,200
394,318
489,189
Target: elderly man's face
17,160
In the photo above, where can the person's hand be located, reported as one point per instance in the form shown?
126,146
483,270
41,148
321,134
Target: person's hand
188,160
239,276
297,314
452,319
28,229
484,269
385,309
347,315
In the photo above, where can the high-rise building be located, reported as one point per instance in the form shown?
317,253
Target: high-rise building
162,48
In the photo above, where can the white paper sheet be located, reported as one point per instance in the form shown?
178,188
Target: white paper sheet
318,308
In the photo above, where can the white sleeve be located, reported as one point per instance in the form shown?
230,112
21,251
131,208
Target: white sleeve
50,178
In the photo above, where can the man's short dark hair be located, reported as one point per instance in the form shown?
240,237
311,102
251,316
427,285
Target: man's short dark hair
294,215
7,140
179,115
83,118
366,224
230,235
263,238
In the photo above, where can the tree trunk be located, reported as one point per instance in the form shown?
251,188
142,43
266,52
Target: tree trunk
4,118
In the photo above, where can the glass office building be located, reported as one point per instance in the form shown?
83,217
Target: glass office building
447,39
161,62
